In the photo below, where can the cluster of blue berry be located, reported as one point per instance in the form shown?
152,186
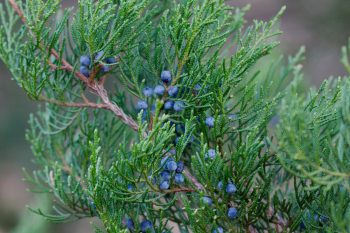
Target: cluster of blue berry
232,212
160,91
145,225
230,190
85,63
320,220
171,168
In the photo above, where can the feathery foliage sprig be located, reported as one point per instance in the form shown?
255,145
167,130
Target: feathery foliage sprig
157,116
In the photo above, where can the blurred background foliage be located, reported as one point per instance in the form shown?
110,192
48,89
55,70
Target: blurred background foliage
321,25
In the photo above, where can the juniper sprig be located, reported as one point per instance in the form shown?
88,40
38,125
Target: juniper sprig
155,117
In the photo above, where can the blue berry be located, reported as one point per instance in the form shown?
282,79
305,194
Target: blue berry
231,188
197,88
99,55
147,91
146,225
220,185
159,90
180,167
218,230
232,213
171,165
164,185
85,71
105,69
130,187
207,200
179,106
173,90
179,178
141,104
111,60
165,175
177,140
130,224
210,121
172,151
85,61
165,76
211,154
168,105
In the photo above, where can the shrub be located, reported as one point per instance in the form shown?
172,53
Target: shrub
157,115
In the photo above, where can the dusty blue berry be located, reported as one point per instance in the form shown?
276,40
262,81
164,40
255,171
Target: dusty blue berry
106,69
232,213
172,151
179,178
164,185
165,175
99,55
110,60
218,230
147,91
210,121
141,104
211,154
220,185
197,88
130,187
173,90
179,106
231,188
146,225
85,71
207,200
171,165
180,167
165,76
85,61
168,105
159,90
130,224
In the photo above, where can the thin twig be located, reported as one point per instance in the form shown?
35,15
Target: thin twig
179,190
70,104
193,179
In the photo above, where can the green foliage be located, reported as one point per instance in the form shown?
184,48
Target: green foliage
284,147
